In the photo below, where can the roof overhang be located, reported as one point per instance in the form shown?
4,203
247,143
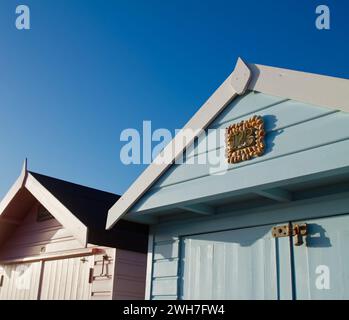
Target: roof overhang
26,181
309,88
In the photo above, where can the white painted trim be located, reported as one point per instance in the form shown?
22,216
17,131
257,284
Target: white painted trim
14,189
305,87
149,275
55,256
309,88
234,85
57,209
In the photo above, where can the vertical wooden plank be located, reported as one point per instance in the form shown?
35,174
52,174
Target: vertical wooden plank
35,292
80,277
149,276
75,280
284,269
12,282
51,280
219,254
55,293
63,284
84,279
69,288
44,284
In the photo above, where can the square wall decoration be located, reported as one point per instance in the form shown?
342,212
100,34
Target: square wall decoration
245,140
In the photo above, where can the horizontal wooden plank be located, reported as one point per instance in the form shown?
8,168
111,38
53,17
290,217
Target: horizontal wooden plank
128,286
127,297
52,256
166,286
278,213
101,295
133,271
33,226
166,251
278,116
246,104
132,257
298,167
165,268
102,285
36,250
164,298
290,140
39,239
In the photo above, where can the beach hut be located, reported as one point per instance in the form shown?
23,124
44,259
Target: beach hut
264,212
53,244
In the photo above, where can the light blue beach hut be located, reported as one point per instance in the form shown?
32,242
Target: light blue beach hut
270,219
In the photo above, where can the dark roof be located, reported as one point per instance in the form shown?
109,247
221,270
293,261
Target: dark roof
91,207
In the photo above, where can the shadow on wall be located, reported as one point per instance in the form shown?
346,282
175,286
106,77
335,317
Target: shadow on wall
270,124
246,237
316,237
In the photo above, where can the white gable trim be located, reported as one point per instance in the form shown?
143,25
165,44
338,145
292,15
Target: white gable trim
304,87
233,86
55,207
309,88
14,189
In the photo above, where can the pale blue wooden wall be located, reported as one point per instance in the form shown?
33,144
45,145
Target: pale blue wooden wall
169,237
301,140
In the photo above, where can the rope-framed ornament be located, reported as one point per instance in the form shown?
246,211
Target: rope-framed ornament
245,140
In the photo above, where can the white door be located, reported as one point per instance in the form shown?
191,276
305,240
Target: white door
67,279
20,281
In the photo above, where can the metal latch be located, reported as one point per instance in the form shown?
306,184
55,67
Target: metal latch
288,230
105,265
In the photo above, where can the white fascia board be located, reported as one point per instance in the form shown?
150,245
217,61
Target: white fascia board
57,209
14,189
305,87
234,85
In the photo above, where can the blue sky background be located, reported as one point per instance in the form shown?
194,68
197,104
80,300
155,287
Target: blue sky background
88,69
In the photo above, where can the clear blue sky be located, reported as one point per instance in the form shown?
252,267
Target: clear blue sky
89,69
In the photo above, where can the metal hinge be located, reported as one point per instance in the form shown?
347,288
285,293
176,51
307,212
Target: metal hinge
290,230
